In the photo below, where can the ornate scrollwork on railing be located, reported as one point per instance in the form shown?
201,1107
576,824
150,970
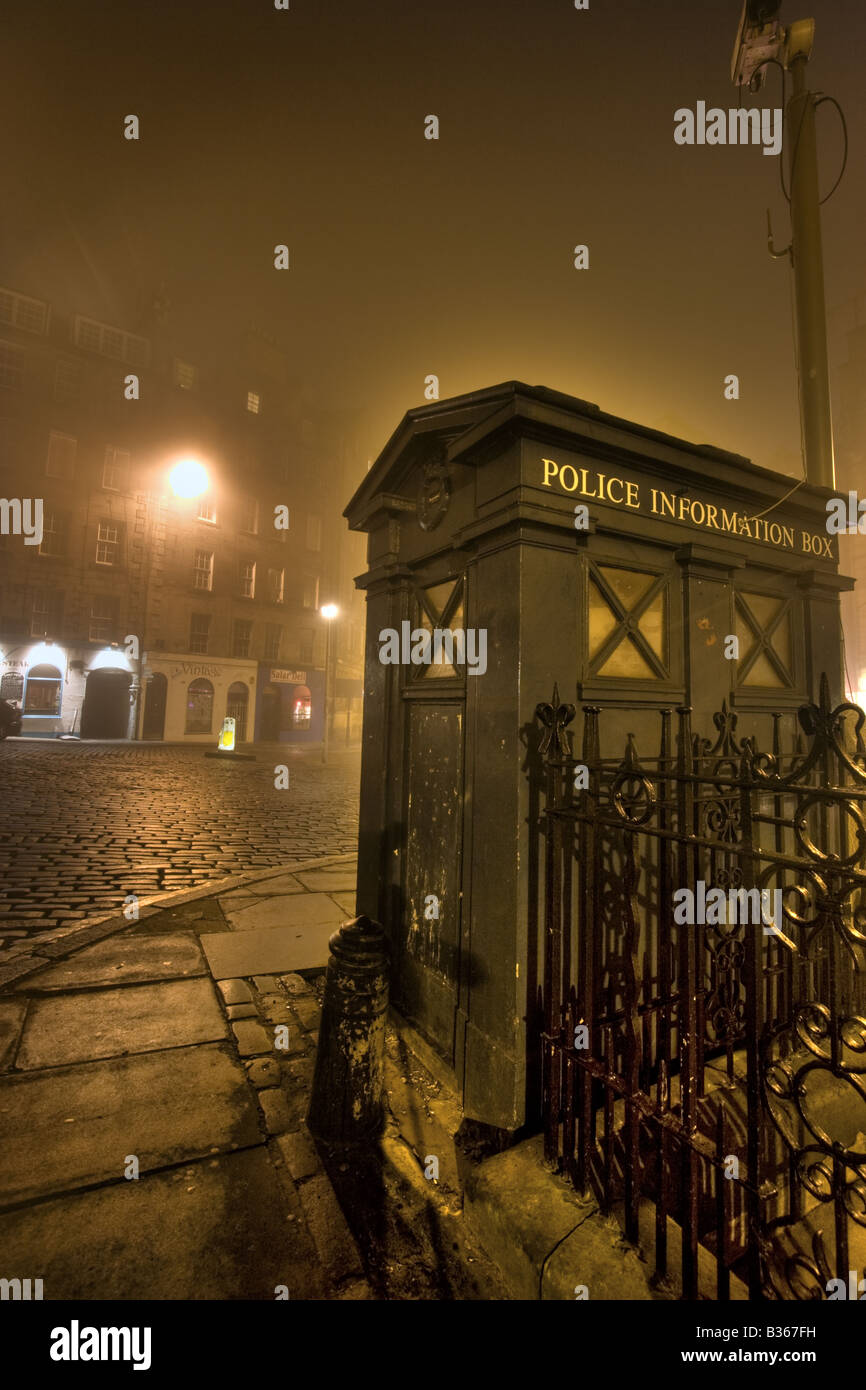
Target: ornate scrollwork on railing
796,1276
808,1094
825,727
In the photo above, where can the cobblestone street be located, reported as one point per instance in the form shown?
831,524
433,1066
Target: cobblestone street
84,824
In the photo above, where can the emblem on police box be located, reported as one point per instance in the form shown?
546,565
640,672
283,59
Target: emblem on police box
434,495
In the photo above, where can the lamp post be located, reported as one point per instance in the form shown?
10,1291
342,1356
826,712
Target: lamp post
188,479
762,39
329,611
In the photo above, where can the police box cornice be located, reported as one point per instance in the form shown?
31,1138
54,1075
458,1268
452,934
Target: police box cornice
463,430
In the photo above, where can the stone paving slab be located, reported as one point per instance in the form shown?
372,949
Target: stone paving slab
12,1013
283,883
141,1018
284,910
121,959
213,1229
164,1107
269,950
336,880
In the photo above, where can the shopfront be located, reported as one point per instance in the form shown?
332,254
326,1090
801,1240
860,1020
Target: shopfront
185,701
290,702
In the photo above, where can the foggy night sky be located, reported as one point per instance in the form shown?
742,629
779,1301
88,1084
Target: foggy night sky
454,256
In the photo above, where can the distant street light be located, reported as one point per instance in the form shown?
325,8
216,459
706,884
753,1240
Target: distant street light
188,478
328,611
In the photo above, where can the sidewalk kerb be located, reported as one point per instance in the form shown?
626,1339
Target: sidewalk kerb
14,970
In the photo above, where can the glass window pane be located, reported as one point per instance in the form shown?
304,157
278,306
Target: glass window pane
625,660
763,607
628,585
762,673
439,595
652,626
782,640
601,620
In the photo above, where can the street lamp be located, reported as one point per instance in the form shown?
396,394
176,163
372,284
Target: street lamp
188,478
328,611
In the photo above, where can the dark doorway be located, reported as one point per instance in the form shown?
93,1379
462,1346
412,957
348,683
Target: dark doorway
106,705
271,714
155,693
236,707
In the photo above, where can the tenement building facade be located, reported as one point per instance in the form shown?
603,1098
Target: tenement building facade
170,534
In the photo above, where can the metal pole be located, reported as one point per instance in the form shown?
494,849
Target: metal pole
809,278
150,539
325,701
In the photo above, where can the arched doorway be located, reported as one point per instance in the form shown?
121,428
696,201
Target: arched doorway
155,693
272,709
105,713
237,701
199,707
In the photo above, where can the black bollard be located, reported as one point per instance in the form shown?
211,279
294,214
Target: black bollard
346,1102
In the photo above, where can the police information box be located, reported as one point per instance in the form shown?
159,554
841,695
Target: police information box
519,536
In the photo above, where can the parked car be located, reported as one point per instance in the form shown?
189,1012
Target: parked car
10,719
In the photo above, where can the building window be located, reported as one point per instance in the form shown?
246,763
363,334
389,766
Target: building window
202,574
207,510
110,342
273,638
101,620
114,468
248,579
61,455
41,615
199,707
20,311
250,516
107,542
254,402
185,375
276,579
11,366
314,532
311,591
307,639
53,534
302,705
67,380
242,636
199,633
42,691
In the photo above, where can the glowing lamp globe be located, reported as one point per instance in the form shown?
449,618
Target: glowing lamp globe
188,478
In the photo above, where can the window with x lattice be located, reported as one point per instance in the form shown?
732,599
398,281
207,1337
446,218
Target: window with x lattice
441,606
763,628
628,637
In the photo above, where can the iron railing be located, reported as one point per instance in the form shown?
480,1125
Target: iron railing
711,1075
